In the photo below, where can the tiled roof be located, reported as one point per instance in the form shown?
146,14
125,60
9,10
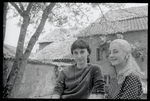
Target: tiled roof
56,50
10,50
9,54
58,34
128,13
130,19
10,57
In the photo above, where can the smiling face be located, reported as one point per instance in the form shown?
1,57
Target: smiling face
80,56
116,54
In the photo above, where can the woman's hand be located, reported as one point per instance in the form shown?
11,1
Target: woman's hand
96,96
55,96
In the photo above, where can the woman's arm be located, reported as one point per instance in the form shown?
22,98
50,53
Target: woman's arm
132,88
55,96
96,96
59,87
98,83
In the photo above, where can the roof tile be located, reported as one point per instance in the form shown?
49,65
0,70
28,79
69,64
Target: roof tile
119,21
58,34
56,50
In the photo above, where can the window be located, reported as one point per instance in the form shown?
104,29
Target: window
99,54
107,82
107,79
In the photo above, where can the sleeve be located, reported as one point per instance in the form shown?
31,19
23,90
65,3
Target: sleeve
130,88
98,81
59,87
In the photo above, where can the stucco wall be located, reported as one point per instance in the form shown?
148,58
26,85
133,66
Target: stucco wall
43,45
137,36
38,80
132,37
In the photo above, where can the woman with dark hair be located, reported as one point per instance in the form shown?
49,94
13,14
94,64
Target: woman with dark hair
82,80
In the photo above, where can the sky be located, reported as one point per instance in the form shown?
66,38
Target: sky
12,31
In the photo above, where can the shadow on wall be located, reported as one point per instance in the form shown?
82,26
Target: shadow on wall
44,87
38,80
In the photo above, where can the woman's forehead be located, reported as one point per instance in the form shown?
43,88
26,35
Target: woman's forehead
80,49
114,46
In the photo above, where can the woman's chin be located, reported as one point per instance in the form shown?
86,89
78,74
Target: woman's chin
114,64
80,63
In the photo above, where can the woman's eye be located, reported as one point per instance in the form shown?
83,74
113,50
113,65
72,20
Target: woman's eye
82,52
115,52
75,53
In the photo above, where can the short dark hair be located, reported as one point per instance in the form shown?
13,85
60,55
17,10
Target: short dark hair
80,43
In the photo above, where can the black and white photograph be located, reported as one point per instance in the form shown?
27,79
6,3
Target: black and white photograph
75,50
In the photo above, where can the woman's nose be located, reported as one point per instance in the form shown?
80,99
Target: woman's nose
110,55
79,55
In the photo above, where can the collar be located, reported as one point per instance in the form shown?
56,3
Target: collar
124,72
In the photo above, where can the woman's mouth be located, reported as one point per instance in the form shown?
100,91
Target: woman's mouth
80,60
113,60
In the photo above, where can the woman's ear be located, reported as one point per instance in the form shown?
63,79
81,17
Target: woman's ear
127,56
88,59
88,54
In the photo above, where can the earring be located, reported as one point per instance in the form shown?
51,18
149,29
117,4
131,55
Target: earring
127,57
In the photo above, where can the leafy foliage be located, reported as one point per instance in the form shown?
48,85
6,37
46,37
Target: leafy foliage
139,52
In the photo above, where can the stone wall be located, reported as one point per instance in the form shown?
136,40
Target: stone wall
38,79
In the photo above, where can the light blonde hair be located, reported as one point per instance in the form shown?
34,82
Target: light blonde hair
132,66
124,45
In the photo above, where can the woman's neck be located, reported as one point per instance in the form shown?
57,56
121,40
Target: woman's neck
121,66
81,66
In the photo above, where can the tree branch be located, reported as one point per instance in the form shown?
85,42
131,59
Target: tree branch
28,9
125,10
50,7
102,12
55,16
21,6
82,11
17,8
39,29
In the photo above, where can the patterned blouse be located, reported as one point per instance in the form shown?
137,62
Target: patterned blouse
131,88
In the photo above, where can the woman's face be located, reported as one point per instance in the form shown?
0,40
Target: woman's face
116,54
80,55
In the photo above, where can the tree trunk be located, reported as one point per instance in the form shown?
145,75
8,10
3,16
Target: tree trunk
26,55
18,57
4,19
15,78
4,31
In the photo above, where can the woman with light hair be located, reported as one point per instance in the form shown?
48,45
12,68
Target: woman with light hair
127,82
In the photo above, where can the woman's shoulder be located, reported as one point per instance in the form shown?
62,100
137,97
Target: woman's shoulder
95,66
132,77
132,81
68,68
